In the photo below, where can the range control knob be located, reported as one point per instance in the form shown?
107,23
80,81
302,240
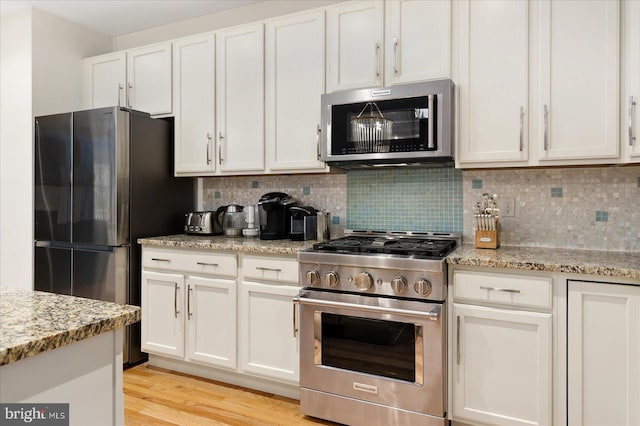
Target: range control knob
332,278
422,287
313,277
399,284
363,281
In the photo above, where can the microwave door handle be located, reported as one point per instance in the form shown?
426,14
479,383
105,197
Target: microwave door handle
431,125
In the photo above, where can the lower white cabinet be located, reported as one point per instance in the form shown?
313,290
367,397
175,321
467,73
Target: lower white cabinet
603,351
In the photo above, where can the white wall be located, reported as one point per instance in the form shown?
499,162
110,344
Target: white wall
242,15
41,74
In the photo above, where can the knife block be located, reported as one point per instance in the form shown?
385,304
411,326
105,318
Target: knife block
488,239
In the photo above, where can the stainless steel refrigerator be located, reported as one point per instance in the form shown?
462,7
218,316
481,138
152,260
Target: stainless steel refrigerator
103,179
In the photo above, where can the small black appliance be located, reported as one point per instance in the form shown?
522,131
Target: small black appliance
275,215
303,223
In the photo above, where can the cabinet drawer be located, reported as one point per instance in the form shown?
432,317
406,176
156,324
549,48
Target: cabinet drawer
219,264
503,288
271,268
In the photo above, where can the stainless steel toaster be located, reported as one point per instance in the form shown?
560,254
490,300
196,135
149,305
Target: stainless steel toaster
203,223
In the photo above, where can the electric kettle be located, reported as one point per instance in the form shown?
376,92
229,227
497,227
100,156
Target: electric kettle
232,221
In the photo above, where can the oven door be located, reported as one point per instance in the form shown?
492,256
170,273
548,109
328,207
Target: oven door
376,349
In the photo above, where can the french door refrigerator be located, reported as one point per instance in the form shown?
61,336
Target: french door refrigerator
103,179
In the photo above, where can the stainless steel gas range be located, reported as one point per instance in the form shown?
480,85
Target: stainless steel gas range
373,328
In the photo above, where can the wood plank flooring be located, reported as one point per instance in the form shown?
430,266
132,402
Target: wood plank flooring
155,396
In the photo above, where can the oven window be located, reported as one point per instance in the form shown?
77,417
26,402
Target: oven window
378,347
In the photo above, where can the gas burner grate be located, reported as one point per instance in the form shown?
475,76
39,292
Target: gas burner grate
417,247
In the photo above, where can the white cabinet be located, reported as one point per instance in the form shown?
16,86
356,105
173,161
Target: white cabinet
104,80
294,73
149,81
194,105
355,45
493,81
189,304
603,354
267,342
240,98
498,346
630,108
417,40
138,78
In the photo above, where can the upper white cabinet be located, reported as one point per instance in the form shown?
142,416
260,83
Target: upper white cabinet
355,39
104,80
493,80
294,73
417,40
194,105
149,79
415,46
578,105
603,350
630,105
240,98
138,78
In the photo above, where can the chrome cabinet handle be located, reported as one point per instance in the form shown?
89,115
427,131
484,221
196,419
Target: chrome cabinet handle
458,339
632,107
129,89
189,289
546,127
175,300
521,128
318,131
208,148
262,268
377,59
207,264
295,322
160,260
220,139
505,290
395,55
120,88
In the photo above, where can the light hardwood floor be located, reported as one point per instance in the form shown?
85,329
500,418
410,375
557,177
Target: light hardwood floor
154,396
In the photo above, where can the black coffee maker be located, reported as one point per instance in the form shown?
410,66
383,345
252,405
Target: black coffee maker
275,215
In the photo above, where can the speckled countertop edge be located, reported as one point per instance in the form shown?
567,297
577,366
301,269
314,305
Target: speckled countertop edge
32,322
239,244
590,262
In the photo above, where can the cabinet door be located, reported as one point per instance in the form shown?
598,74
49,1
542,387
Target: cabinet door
496,352
294,82
603,354
579,79
104,79
354,45
162,313
631,81
211,321
418,40
494,80
194,104
268,346
149,79
240,98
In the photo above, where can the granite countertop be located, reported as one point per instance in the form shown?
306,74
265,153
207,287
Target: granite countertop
242,244
32,322
591,262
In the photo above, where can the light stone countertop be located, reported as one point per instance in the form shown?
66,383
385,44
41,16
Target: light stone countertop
32,322
591,262
600,263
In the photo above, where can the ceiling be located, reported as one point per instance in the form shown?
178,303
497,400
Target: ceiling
117,17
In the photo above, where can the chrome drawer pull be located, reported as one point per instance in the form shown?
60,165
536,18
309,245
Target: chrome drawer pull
506,290
160,260
262,268
207,264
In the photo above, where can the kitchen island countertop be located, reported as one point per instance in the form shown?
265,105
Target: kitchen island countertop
590,262
33,322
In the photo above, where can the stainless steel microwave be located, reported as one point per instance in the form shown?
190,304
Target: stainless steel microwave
407,124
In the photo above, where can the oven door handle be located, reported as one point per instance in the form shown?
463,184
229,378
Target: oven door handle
432,315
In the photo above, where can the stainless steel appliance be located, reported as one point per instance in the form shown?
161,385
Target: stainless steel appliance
233,219
204,223
103,178
303,223
373,328
274,215
397,125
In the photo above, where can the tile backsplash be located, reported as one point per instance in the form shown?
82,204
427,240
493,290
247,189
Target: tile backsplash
585,208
